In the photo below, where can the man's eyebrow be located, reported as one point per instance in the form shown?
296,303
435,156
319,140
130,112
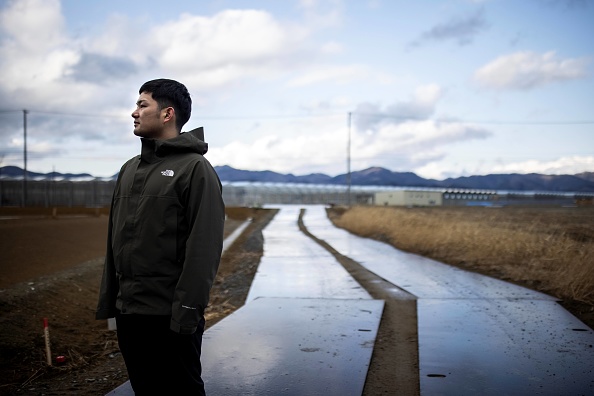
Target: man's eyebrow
140,102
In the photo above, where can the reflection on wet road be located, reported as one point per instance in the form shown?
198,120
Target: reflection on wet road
294,265
292,346
477,335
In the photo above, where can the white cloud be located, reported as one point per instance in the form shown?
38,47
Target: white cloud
208,53
461,29
273,153
43,68
46,69
318,144
412,144
33,49
562,166
402,136
322,148
196,43
33,24
205,52
569,165
305,146
419,106
332,47
427,95
322,13
336,74
337,103
435,170
525,70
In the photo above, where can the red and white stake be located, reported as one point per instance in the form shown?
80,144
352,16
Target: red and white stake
48,352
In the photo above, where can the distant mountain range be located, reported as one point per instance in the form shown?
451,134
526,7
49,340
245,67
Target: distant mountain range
375,176
14,172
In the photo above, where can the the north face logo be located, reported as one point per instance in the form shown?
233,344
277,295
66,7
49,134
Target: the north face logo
167,172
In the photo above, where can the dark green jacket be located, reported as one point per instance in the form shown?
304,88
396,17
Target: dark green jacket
165,233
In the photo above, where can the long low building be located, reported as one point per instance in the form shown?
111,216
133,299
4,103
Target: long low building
464,197
409,198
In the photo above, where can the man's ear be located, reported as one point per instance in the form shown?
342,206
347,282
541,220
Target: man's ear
169,114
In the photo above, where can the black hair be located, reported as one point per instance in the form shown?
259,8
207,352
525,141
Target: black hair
170,93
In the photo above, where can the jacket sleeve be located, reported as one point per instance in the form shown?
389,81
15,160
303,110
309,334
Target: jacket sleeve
108,293
205,213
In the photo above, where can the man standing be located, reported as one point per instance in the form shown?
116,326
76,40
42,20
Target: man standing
164,245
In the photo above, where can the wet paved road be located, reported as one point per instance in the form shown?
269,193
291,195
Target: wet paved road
294,265
292,346
308,328
477,335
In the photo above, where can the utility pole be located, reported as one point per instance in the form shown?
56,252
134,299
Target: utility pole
1,162
349,163
25,157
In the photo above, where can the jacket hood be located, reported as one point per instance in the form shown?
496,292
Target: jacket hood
185,142
192,141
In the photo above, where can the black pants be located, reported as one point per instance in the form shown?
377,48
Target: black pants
160,361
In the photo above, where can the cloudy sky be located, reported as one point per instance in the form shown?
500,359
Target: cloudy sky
442,88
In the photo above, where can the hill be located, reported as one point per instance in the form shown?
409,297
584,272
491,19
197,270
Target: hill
375,176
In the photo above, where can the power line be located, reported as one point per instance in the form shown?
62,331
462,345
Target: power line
462,121
320,115
58,113
79,114
271,116
226,117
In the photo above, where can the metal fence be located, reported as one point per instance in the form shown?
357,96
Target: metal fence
287,194
49,193
98,193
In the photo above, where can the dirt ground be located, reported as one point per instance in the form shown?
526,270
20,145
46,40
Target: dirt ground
50,267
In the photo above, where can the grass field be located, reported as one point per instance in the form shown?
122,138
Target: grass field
547,249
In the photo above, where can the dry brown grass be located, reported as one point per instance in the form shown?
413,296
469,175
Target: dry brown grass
548,249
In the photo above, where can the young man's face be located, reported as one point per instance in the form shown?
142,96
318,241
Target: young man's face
148,119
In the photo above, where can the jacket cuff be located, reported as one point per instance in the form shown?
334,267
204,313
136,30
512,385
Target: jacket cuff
105,314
